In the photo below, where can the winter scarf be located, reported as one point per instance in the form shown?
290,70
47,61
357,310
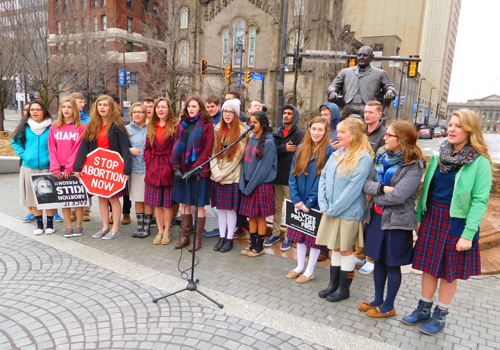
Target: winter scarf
193,148
386,164
449,161
39,128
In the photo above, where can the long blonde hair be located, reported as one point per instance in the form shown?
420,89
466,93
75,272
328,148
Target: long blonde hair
469,121
358,144
76,113
95,123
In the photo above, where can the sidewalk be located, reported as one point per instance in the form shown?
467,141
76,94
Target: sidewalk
112,283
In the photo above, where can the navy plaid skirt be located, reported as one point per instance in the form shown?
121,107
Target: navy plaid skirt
225,197
159,196
260,203
436,252
300,237
122,193
186,194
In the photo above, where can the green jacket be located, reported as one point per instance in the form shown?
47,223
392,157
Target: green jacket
470,195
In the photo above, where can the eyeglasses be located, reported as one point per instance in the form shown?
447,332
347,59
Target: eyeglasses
35,109
390,135
228,112
137,112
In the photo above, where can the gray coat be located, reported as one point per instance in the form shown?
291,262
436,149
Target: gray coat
399,204
369,83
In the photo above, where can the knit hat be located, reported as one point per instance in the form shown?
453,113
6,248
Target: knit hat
234,104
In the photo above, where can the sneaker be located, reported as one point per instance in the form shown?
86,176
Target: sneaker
68,233
77,232
153,223
367,268
240,232
271,241
29,218
286,245
360,262
38,231
111,235
49,231
86,217
57,218
100,234
212,233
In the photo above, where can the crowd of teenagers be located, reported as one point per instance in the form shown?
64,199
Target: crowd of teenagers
363,177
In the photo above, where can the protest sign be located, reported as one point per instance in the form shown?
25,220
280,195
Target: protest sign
307,223
54,193
102,173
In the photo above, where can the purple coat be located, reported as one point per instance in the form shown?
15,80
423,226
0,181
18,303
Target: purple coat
159,169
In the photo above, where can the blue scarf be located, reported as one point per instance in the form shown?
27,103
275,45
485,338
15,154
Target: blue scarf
386,164
193,148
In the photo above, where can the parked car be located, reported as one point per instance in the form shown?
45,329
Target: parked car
438,132
424,133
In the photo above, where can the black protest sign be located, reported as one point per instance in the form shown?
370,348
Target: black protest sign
54,193
307,223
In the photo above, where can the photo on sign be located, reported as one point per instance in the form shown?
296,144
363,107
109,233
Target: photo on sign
307,223
53,193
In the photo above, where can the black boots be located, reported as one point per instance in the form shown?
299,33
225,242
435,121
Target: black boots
140,224
334,282
228,245
219,244
342,292
146,226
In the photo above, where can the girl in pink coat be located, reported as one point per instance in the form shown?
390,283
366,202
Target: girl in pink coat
64,142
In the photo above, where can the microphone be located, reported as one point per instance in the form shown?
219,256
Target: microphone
250,128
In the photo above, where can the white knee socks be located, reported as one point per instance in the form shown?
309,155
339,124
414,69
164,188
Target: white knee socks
301,257
222,222
347,263
313,258
231,223
336,258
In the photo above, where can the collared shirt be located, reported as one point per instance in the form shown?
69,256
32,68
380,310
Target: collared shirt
160,131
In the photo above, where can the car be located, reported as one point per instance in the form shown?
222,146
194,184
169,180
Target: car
424,133
438,132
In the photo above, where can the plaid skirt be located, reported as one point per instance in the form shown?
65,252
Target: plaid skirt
260,203
436,252
122,193
225,197
159,196
300,237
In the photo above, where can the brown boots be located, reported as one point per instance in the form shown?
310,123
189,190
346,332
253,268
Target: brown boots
199,234
187,224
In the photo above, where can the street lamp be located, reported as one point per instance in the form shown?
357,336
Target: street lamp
418,100
430,102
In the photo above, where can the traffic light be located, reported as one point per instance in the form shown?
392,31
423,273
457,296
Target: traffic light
247,76
204,66
413,68
228,72
351,62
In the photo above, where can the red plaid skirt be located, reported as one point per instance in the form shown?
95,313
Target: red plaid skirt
225,197
436,252
300,237
260,203
122,193
159,196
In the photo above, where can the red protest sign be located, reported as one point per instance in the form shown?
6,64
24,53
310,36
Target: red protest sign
102,173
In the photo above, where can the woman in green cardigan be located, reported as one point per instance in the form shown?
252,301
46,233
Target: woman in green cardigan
450,208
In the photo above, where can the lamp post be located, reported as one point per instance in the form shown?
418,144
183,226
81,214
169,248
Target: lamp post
430,103
283,55
418,100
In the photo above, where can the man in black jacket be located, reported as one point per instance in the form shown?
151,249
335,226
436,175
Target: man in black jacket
286,138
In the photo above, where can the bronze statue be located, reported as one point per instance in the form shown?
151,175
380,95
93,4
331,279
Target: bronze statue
357,85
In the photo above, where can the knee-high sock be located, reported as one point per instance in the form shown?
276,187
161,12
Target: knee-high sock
231,223
347,263
313,258
393,284
379,278
222,222
336,258
301,257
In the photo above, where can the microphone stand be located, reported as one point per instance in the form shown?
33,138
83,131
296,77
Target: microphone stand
192,285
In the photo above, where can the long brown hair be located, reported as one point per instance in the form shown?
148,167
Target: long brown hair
171,122
76,113
233,134
358,144
20,132
309,149
95,123
203,110
469,121
407,138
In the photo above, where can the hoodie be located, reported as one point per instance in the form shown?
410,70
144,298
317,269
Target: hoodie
334,119
35,151
255,172
376,137
84,117
216,118
285,158
64,143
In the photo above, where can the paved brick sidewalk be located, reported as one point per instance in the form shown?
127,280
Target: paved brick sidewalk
473,321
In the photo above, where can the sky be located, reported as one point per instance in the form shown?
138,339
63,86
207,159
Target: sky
473,76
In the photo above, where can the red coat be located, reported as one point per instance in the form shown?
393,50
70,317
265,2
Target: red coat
207,144
159,169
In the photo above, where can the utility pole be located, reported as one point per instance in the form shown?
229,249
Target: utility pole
400,90
418,100
284,54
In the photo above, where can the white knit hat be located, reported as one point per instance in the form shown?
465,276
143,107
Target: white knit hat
234,104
